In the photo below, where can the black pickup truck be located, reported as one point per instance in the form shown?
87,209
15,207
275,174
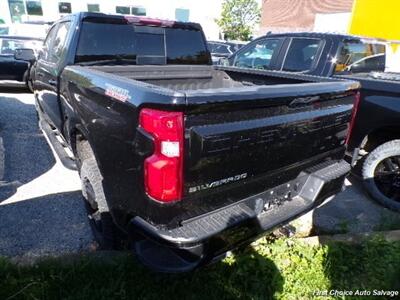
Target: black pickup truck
189,160
376,135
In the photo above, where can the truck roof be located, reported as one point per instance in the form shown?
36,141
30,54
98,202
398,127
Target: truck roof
337,36
312,34
137,20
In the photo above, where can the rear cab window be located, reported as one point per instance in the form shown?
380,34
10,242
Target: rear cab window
258,55
360,57
121,42
302,54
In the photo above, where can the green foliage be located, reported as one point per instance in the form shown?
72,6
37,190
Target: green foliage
283,269
238,18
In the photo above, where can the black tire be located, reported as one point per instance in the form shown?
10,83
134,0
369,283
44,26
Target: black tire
28,82
103,227
29,85
381,174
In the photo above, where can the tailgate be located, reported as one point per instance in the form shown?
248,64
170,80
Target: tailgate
243,141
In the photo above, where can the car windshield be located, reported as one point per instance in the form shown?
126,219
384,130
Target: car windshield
8,46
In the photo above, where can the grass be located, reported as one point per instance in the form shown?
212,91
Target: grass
283,269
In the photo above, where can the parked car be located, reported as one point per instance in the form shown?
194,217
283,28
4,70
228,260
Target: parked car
222,49
11,67
188,159
377,126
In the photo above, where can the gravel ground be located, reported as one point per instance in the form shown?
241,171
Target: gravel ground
1,158
42,211
41,208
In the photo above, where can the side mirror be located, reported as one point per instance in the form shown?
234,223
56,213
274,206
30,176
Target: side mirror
24,54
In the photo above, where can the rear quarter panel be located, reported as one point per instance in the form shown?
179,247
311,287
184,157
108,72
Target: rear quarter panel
379,108
104,108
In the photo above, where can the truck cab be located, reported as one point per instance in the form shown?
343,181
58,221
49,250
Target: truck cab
320,54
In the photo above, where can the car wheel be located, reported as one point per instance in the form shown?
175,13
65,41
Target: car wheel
28,81
100,219
381,174
29,85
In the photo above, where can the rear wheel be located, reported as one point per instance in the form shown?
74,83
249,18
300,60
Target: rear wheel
381,174
103,227
29,85
28,81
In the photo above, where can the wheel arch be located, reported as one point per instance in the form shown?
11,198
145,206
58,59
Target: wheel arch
380,136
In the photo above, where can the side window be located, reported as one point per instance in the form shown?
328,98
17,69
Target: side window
357,57
138,11
47,43
34,8
64,7
58,46
258,55
301,55
125,10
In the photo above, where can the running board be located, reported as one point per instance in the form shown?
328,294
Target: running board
58,147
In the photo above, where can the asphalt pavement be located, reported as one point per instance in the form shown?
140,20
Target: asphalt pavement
42,212
41,208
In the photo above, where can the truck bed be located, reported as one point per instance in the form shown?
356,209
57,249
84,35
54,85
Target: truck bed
195,78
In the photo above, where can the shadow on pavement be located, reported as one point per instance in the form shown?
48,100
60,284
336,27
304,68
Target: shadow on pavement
353,211
50,225
15,88
27,154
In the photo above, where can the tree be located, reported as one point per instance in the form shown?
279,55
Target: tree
238,18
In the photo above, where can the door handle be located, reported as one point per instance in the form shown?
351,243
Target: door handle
52,82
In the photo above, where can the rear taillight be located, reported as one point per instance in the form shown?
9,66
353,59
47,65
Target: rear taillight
353,116
163,176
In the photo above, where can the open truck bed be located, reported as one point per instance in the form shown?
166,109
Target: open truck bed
192,78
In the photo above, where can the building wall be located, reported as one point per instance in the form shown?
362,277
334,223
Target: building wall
203,12
336,22
297,15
